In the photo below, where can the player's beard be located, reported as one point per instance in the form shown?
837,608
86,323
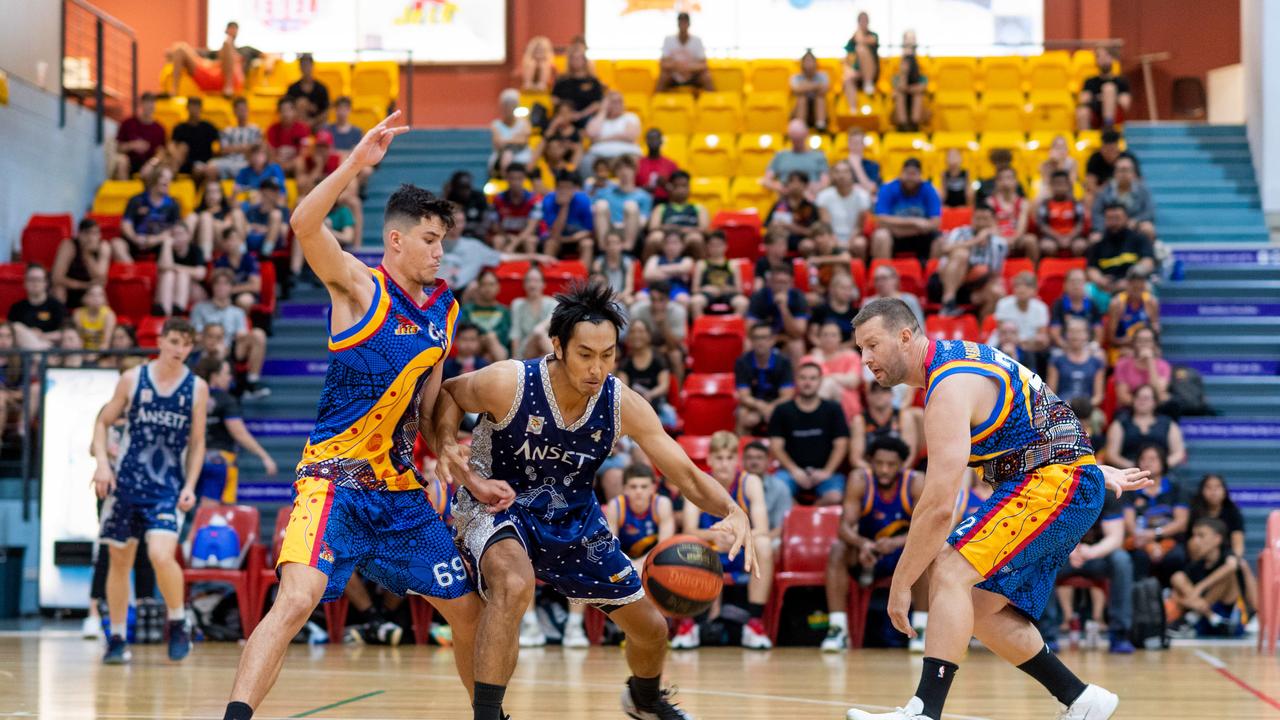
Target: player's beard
894,372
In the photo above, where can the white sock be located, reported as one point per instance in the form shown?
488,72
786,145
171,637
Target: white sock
119,630
254,377
574,621
176,614
919,619
840,620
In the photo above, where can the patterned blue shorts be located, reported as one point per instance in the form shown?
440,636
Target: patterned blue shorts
125,519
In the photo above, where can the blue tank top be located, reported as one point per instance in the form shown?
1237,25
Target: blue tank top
368,416
737,491
638,532
678,284
1131,316
150,464
883,518
1028,428
550,464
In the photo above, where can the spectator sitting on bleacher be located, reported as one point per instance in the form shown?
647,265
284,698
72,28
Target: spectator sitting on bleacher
561,149
530,316
844,206
215,213
191,144
717,283
601,178
147,219
1140,426
646,371
179,272
138,139
247,344
841,369
210,342
37,319
1208,589
1058,160
809,437
287,135
491,318
1156,520
1142,365
509,134
464,257
1131,309
466,355
1115,248
866,173
908,211
1104,98
809,89
94,321
259,167
264,220
125,337
763,379
11,385
654,170
839,305
567,222
775,252
317,164
517,213
677,214
780,306
795,213
957,190
222,74
777,495
1127,189
886,282
617,268
1101,165
537,66
862,61
1000,158
342,221
969,266
1077,371
614,131
798,158
225,433
1013,215
345,135
684,60
236,142
246,272
909,86
1212,499
1060,217
1076,302
668,320
311,96
827,260
80,263
620,205
1030,314
68,339
460,190
673,267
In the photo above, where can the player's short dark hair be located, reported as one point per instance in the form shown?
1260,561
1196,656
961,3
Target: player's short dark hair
755,445
178,325
800,175
568,176
1060,175
584,302
1110,137
892,443
638,470
209,365
679,175
894,313
1115,205
86,224
411,204
1213,524
517,167
342,100
465,327
911,162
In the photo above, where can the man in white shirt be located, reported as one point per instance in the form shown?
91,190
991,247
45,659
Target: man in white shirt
843,205
684,60
1031,316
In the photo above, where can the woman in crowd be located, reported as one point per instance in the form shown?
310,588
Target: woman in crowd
80,262
841,369
646,372
510,135
537,67
1143,426
529,318
1213,500
1143,367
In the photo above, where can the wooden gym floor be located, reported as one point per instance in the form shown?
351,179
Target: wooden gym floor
55,674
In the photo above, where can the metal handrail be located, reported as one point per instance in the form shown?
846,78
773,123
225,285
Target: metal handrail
101,21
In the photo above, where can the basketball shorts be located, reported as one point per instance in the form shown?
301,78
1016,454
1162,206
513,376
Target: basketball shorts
126,520
586,566
395,539
1020,537
208,75
219,478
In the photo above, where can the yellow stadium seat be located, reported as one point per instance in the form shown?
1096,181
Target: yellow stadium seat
1087,141
869,112
955,112
637,103
603,71
710,192
672,113
4,88
560,63
771,76
262,111
870,146
896,148
822,143
336,78
183,191
217,110
368,111
765,112
1037,149
1002,73
747,192
1052,111
1084,65
376,78
755,151
965,142
888,68
720,112
275,79
1014,142
954,74
171,112
113,196
728,75
712,155
529,99
186,86
1050,71
1003,112
635,76
291,192
676,147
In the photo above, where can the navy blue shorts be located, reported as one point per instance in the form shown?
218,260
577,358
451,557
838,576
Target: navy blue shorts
586,567
126,519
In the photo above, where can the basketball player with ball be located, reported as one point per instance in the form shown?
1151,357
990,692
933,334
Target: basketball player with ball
529,511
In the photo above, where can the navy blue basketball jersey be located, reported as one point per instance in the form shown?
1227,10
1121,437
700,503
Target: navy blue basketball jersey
150,463
550,464
637,531
888,514
738,491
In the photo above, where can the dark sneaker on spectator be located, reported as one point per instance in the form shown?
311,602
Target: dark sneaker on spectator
1183,628
375,633
179,640
255,390
117,651
1120,644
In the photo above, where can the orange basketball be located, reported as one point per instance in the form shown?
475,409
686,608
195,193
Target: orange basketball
682,576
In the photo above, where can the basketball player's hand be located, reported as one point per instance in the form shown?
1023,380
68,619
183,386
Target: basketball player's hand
1126,480
867,557
495,495
186,499
738,525
900,608
373,146
104,481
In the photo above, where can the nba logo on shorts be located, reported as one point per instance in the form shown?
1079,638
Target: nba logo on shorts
535,425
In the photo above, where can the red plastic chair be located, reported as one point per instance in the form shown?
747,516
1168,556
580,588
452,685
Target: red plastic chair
245,521
267,570
11,288
511,280
988,327
747,270
858,271
266,306
807,534
716,342
698,448
709,403
561,275
1016,266
960,327
954,217
910,275
422,612
130,288
859,605
108,224
41,236
800,275
148,331
1269,587
742,231
1053,272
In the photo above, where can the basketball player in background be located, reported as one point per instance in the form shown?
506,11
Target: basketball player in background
359,500
998,568
153,479
530,511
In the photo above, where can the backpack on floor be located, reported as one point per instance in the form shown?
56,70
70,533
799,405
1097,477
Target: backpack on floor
1186,394
1150,630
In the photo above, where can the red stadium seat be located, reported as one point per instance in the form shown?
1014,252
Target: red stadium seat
716,342
747,269
148,331
11,288
910,275
960,327
988,327
709,403
266,306
41,236
244,520
800,275
130,288
511,280
742,231
858,271
563,274
698,448
1016,266
807,534
1053,271
267,570
109,224
954,217
859,604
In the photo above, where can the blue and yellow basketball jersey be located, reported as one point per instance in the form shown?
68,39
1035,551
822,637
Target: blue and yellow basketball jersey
1029,427
1132,316
737,491
881,517
638,532
368,415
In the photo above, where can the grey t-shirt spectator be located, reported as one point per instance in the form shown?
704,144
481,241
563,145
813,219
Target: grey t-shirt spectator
677,320
231,318
344,140
777,500
462,262
810,162
1137,202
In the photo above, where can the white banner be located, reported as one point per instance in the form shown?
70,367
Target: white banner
68,506
786,28
436,31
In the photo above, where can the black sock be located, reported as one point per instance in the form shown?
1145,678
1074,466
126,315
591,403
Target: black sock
1049,671
488,702
755,610
645,691
935,683
238,711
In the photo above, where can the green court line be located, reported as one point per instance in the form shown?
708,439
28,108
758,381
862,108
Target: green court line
340,703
